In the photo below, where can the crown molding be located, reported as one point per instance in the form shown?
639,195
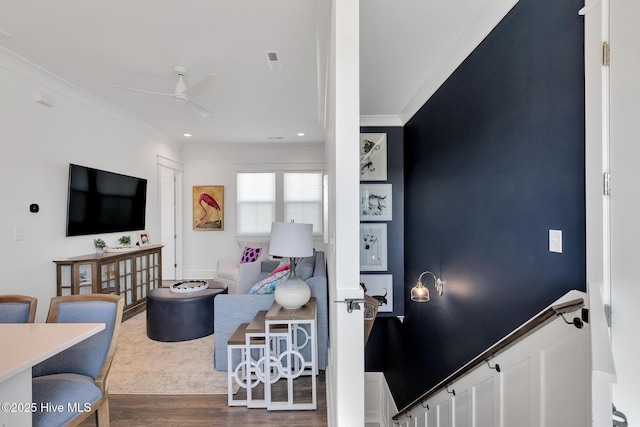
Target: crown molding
389,120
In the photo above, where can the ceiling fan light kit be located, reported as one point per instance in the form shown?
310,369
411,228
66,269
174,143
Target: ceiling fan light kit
183,93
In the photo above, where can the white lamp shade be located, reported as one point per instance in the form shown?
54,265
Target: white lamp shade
291,239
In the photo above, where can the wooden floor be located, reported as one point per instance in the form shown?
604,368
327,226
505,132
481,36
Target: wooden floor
205,410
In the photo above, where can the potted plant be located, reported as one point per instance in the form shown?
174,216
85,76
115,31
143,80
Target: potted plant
99,245
125,240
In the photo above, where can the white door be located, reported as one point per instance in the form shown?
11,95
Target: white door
625,202
169,215
597,201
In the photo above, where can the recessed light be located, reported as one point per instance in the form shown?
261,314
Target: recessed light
301,134
187,135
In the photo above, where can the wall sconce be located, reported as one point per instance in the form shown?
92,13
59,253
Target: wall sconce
419,293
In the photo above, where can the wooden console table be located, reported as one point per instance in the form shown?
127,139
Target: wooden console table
131,274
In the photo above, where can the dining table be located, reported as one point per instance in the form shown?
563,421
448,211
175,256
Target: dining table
23,346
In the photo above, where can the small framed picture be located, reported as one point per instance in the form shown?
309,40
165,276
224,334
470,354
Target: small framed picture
373,247
375,202
373,157
143,238
380,287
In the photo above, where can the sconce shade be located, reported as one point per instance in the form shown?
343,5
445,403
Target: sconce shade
419,293
292,240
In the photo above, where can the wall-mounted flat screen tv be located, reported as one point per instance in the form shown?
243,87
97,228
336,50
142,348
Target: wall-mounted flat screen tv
104,202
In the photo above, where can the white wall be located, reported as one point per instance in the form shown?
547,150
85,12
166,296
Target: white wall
38,143
218,165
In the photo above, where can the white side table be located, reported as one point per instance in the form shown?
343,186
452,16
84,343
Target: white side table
294,354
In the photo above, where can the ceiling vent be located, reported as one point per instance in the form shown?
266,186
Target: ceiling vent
272,60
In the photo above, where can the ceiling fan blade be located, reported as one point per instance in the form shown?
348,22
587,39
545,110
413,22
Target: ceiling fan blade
142,91
207,83
199,109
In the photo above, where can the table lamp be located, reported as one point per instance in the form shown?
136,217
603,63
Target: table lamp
292,240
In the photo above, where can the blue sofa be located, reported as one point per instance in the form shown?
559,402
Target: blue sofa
230,310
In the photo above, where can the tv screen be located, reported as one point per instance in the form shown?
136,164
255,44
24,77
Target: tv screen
104,202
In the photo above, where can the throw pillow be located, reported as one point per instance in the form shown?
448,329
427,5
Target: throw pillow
305,266
281,267
268,285
250,255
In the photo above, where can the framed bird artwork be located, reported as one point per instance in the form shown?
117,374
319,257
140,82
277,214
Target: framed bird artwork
208,207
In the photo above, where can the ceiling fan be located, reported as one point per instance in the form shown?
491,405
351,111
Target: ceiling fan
183,93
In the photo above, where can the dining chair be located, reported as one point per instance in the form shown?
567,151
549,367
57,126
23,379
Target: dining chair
75,380
17,309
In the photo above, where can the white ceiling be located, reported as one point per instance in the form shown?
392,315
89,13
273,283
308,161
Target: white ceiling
408,48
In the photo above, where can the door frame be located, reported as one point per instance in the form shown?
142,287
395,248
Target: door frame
177,169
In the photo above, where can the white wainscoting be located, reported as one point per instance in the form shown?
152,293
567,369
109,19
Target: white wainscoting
545,380
378,404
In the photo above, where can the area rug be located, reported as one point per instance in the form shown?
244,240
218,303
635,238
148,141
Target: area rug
144,366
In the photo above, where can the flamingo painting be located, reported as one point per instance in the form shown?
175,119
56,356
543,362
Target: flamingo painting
207,212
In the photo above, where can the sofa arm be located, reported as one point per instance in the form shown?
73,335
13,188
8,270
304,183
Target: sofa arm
229,312
226,263
248,274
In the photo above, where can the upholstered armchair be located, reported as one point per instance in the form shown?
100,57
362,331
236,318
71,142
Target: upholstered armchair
17,309
76,379
240,274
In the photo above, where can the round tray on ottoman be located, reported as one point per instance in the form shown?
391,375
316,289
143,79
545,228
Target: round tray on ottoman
189,286
180,316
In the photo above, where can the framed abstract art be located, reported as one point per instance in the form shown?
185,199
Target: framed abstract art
373,157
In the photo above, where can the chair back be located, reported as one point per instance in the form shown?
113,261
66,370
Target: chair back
371,306
17,309
93,356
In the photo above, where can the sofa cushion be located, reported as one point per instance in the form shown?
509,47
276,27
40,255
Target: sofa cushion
250,255
305,266
268,285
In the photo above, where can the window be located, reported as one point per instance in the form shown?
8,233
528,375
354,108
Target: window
302,194
278,196
256,202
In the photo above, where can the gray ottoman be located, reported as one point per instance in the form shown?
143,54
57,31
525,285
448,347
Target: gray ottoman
174,316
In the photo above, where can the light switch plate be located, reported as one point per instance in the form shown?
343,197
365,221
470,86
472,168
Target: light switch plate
555,241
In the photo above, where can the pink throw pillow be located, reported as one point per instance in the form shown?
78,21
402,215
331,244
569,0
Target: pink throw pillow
280,268
250,255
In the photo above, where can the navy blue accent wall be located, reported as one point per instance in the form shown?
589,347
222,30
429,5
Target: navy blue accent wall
492,162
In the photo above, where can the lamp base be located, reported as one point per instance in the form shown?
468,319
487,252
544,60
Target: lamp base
293,293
